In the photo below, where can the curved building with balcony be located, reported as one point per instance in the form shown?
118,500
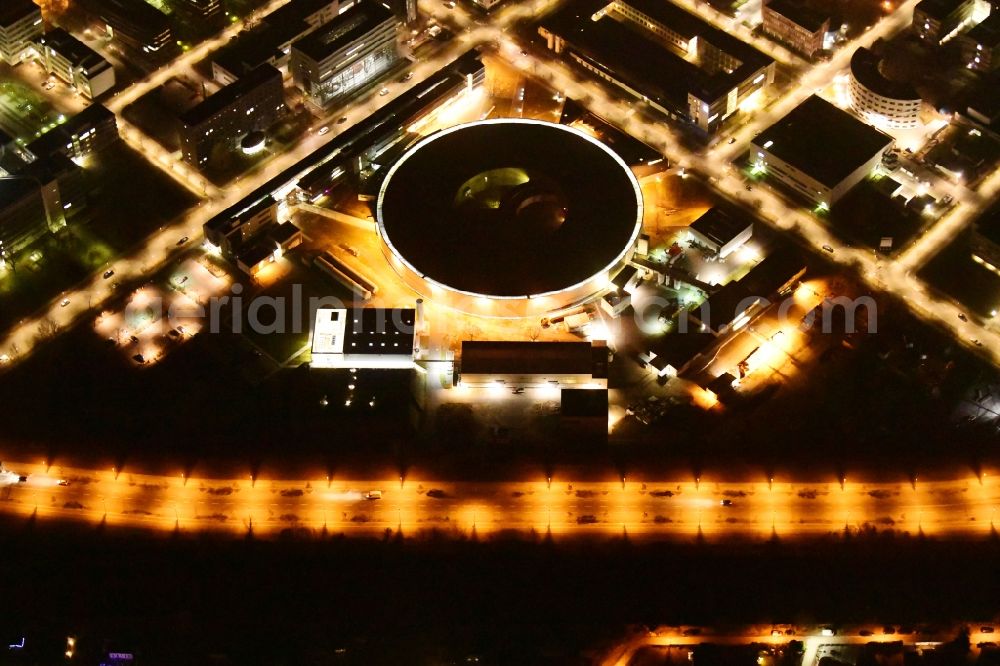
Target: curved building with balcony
880,100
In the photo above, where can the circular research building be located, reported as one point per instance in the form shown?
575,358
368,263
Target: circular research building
508,218
880,100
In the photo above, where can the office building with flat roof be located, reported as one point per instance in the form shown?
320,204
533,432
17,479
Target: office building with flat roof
740,301
346,54
721,232
20,25
405,10
38,198
674,354
74,62
936,21
981,46
795,24
135,23
233,232
985,240
90,131
22,214
269,42
819,151
878,99
210,11
661,55
253,103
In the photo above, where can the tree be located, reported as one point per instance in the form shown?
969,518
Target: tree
47,328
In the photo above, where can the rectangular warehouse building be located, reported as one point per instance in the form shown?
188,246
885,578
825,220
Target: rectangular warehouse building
346,54
522,364
364,338
662,55
819,151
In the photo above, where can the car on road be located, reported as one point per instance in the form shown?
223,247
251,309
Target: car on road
184,239
341,120
62,482
450,4
961,315
518,391
134,339
986,630
373,495
828,249
383,92
524,52
108,273
64,302
406,77
726,502
323,130
138,358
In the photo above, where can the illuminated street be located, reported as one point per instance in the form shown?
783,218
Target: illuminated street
817,645
657,510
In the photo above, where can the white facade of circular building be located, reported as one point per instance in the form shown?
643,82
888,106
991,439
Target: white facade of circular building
879,100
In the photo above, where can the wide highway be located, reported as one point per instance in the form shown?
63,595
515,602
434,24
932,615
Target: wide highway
682,509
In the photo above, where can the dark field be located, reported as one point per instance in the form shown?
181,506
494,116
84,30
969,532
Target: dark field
190,601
